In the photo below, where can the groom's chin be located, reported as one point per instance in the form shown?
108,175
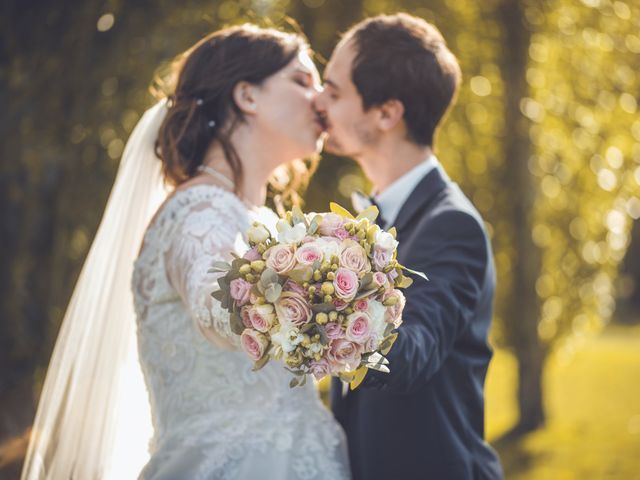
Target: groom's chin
332,147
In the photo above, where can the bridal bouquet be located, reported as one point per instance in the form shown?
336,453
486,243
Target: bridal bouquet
323,296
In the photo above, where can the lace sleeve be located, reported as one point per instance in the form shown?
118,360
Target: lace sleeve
205,234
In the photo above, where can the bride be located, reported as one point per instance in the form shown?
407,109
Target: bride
241,108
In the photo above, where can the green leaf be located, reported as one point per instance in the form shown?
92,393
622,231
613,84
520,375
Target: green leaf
304,381
294,382
235,322
313,226
420,274
366,279
220,267
273,292
343,212
346,376
298,217
358,378
218,295
295,372
379,368
404,282
365,293
370,213
260,363
268,277
387,343
323,307
301,275
306,327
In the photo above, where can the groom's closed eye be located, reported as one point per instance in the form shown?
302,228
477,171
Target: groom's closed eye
332,88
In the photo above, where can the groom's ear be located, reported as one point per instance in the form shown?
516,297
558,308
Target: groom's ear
390,113
244,96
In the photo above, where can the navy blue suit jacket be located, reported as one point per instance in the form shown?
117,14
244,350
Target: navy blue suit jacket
425,419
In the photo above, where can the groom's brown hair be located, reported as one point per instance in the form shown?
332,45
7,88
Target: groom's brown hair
405,58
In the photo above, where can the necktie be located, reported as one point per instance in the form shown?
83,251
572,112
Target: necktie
361,201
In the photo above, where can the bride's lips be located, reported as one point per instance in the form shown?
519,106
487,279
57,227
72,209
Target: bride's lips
320,124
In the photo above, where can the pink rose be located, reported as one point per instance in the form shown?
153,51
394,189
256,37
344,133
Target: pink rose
293,309
333,330
361,305
341,233
252,254
380,280
254,343
343,355
372,343
340,304
240,290
393,313
320,369
244,315
262,317
345,284
291,286
330,223
308,253
354,258
358,327
281,258
381,257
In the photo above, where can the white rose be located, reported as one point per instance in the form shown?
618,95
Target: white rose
258,233
290,235
376,312
329,248
385,240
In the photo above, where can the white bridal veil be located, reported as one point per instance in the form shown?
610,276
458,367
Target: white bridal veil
93,419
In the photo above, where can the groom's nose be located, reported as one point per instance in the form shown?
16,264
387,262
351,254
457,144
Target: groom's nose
318,100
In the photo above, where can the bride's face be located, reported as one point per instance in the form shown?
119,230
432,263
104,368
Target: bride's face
284,110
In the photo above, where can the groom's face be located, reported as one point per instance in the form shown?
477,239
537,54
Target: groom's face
350,130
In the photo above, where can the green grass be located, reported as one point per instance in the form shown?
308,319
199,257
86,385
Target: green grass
592,399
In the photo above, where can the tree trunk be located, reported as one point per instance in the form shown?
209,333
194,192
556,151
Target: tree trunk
525,308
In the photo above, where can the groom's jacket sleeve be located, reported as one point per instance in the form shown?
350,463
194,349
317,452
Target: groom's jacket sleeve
451,249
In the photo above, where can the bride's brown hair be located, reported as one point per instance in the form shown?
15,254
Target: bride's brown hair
202,101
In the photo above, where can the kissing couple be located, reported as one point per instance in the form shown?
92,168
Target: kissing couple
147,380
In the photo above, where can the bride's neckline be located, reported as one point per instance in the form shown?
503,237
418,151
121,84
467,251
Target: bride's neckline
167,204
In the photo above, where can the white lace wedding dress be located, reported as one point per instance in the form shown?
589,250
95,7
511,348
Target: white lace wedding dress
213,417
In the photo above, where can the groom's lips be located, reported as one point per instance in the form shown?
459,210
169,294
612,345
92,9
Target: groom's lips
322,124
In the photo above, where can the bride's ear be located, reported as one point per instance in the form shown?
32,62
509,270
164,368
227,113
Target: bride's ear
244,96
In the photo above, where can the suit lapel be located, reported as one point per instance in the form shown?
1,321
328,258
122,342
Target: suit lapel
425,192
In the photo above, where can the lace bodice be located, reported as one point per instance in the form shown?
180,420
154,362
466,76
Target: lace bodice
208,408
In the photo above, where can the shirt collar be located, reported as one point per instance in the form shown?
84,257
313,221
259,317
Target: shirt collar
391,199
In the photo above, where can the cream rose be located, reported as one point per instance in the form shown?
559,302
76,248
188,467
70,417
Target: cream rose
258,233
354,257
281,258
293,309
343,355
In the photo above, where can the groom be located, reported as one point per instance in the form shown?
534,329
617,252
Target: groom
388,84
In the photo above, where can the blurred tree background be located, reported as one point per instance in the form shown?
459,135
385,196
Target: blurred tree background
545,139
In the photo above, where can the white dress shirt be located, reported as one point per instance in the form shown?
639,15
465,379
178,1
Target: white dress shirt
391,199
